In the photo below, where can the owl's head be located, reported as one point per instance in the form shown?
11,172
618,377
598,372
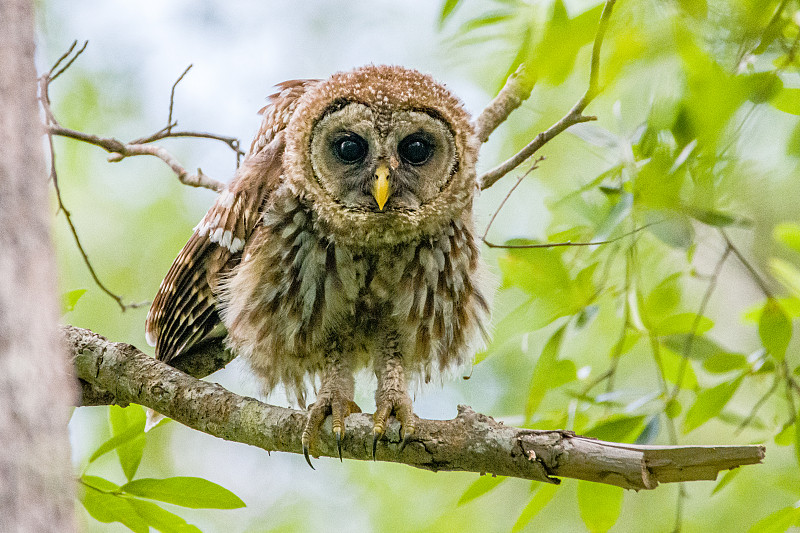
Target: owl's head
382,154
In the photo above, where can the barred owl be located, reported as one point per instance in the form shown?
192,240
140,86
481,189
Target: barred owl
344,242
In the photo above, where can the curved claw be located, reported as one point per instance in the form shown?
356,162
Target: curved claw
308,459
339,444
375,438
406,439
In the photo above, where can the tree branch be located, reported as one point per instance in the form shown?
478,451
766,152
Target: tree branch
517,89
514,93
470,442
120,150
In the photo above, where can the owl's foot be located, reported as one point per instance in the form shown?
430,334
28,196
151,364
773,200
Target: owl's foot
397,403
335,405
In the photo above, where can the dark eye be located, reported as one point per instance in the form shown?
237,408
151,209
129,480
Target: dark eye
415,149
350,148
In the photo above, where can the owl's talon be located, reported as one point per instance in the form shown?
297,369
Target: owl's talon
407,434
327,404
399,404
376,436
338,442
308,459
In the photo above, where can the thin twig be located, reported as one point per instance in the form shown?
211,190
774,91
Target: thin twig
52,76
750,417
172,98
574,116
762,284
687,350
567,243
120,150
68,216
510,192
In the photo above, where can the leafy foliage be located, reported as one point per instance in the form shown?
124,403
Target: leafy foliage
673,199
108,502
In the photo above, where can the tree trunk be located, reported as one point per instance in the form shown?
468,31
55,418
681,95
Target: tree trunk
36,480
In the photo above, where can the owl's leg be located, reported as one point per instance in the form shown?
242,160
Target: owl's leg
335,398
392,397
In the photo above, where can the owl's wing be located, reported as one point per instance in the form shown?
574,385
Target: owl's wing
184,310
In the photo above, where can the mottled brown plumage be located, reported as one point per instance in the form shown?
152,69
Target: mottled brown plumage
345,241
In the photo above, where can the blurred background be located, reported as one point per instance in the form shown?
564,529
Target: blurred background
697,134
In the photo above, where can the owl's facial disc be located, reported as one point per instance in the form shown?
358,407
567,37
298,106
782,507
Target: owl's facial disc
370,161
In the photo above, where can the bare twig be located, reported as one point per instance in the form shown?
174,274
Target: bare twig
172,98
510,192
762,284
68,216
574,116
567,243
470,442
69,63
687,349
120,150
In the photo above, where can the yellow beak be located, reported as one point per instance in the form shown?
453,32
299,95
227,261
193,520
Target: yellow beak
381,189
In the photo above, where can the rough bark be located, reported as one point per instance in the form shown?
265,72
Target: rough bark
36,486
470,442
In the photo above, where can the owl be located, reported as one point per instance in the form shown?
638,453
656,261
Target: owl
345,241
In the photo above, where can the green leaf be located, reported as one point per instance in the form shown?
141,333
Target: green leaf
673,229
787,273
663,299
788,234
130,451
693,347
778,522
775,329
723,362
568,36
671,364
726,479
673,408
70,298
786,436
696,8
684,323
161,519
709,403
790,306
447,10
99,483
105,507
788,101
193,492
618,428
483,485
716,218
114,442
599,504
541,379
540,498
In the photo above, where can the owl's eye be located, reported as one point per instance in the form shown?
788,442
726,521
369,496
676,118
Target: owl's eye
415,149
350,148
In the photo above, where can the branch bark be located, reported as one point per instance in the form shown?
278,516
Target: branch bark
119,373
